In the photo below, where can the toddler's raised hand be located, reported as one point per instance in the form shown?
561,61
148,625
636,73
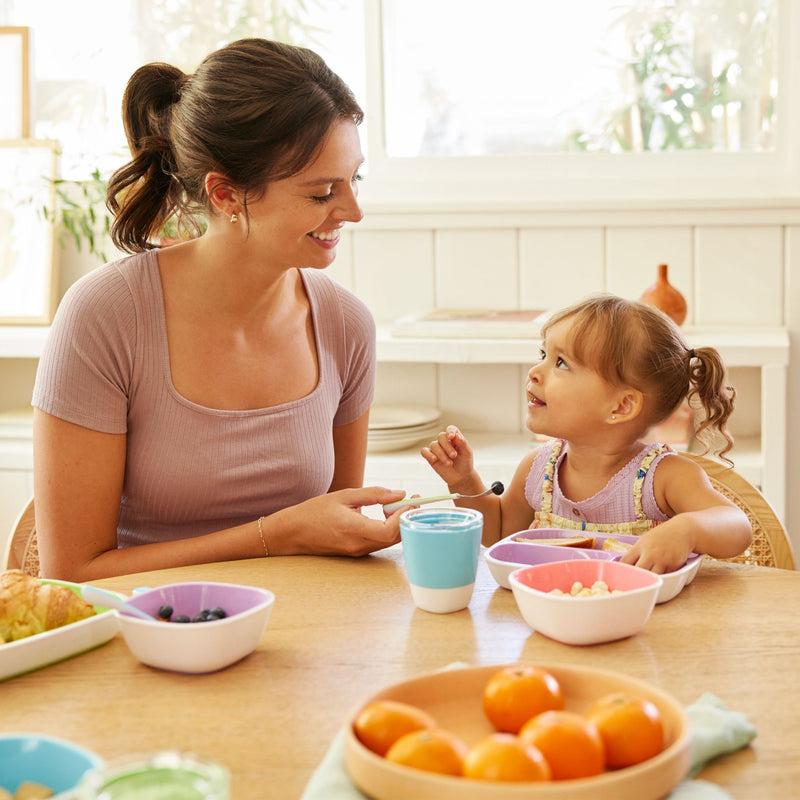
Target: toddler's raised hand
451,457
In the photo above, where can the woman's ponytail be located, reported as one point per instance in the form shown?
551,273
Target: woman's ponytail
144,193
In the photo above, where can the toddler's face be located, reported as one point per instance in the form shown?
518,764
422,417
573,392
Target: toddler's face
566,399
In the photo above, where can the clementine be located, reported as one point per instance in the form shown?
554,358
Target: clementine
381,723
630,727
515,694
570,743
430,749
505,757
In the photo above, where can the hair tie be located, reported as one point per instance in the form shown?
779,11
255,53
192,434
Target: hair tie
692,354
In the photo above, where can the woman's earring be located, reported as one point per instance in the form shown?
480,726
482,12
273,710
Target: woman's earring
234,219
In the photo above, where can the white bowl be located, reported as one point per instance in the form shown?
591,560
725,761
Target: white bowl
510,554
197,647
585,620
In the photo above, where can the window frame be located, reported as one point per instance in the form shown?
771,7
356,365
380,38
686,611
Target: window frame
586,180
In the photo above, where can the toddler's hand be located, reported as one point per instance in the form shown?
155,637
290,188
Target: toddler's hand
659,550
450,456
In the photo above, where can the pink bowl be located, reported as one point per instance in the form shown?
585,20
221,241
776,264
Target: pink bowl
562,574
585,620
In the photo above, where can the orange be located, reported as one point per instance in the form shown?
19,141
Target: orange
515,694
381,723
505,757
630,727
431,749
570,743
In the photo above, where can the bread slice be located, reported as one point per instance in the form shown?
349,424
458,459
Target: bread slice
562,541
616,546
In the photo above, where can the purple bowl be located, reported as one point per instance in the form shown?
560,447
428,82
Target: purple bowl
191,598
197,647
510,554
562,533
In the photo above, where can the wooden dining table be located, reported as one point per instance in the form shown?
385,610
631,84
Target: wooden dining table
342,629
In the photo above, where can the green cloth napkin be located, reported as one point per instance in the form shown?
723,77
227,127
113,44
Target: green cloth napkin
714,731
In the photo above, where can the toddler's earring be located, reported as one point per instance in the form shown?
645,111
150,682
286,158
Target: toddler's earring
234,219
613,416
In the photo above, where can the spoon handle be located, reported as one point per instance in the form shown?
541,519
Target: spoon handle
100,597
390,508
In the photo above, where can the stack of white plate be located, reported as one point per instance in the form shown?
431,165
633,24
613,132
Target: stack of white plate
398,427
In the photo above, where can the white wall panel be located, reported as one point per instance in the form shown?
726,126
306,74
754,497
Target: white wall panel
393,272
739,275
559,266
402,383
477,269
481,397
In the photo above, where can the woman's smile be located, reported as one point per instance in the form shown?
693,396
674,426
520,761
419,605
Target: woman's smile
326,239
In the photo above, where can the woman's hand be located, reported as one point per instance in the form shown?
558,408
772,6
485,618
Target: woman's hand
333,524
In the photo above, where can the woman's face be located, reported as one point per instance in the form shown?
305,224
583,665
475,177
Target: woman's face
299,220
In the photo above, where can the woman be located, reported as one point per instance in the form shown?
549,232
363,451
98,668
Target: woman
209,401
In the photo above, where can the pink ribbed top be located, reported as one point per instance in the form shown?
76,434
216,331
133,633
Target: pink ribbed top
613,504
190,469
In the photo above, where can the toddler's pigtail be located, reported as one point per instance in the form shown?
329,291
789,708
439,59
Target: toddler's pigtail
708,383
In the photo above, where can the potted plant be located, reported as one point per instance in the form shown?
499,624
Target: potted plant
80,215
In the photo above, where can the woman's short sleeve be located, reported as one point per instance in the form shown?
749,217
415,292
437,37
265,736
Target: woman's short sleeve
358,370
84,373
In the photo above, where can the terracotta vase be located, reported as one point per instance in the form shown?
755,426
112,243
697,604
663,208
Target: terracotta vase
664,296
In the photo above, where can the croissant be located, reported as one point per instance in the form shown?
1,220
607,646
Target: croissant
28,606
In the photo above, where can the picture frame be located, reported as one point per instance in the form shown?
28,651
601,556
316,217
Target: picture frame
28,282
15,121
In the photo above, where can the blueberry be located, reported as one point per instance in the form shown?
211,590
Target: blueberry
218,613
165,612
181,618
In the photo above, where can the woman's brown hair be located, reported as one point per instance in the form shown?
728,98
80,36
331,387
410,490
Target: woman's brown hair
632,344
255,111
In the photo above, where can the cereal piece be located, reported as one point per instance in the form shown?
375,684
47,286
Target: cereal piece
597,589
32,791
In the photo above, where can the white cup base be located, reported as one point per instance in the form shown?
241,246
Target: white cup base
442,601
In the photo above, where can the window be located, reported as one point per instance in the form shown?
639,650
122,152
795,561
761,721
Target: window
581,101
508,104
77,80
596,75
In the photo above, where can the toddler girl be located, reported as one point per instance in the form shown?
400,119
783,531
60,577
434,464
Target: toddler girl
609,370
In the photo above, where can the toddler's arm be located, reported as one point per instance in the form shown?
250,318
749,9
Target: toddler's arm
452,458
701,520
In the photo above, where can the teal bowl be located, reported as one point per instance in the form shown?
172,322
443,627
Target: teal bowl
53,762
